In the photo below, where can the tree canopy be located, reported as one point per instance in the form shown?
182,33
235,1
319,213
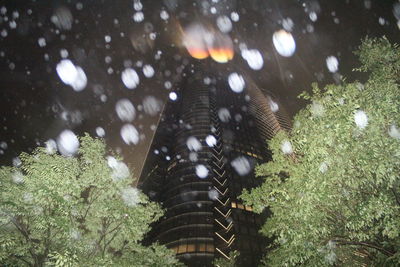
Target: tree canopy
333,185
75,211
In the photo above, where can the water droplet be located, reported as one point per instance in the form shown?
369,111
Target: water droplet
129,134
173,96
332,64
151,105
241,165
125,110
236,82
68,143
253,58
224,115
201,171
164,15
361,119
42,42
284,43
224,24
211,140
193,144
100,132
138,17
234,16
286,147
130,196
148,71
130,78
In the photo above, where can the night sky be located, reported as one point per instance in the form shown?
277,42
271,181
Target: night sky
104,38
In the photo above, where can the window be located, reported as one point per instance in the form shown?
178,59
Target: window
191,248
182,248
248,208
210,248
202,247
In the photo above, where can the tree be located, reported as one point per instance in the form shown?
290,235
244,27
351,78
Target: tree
224,262
75,211
333,185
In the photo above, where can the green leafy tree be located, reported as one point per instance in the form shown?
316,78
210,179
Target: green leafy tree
333,185
75,211
224,262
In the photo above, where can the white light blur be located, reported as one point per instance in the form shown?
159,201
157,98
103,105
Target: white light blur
201,171
129,134
68,143
211,141
284,43
332,64
130,78
173,96
236,82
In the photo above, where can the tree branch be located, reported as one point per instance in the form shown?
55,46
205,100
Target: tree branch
364,244
395,196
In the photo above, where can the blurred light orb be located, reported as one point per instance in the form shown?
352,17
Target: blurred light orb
361,119
164,15
235,16
284,43
130,78
221,48
71,75
254,58
221,55
66,70
202,43
201,171
286,147
194,41
125,110
193,144
173,96
151,105
236,82
129,134
68,143
224,115
51,146
332,64
100,132
62,18
211,140
241,165
273,105
224,24
138,16
288,24
81,80
148,71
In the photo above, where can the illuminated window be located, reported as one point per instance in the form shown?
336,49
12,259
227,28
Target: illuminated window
233,205
240,206
182,248
191,248
210,248
248,208
202,247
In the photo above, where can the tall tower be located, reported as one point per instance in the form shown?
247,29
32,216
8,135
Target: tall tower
202,156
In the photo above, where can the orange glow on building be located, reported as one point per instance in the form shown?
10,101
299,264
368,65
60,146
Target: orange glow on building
221,55
198,53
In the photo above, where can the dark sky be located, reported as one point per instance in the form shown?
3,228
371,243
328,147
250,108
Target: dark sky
36,105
